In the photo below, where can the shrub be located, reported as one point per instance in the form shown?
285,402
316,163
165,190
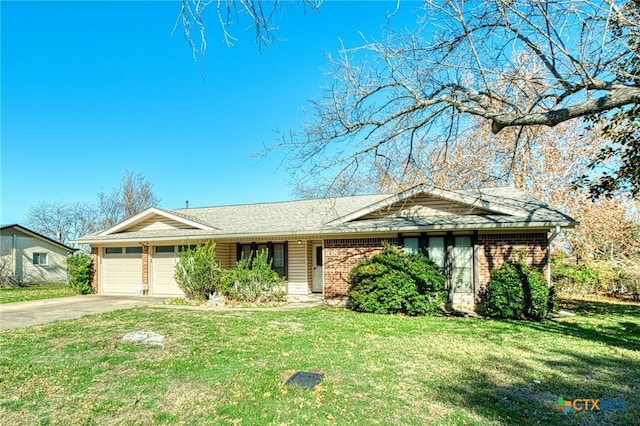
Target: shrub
592,277
255,281
395,282
198,272
80,268
517,291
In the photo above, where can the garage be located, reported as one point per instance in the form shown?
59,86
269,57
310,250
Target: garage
163,263
121,269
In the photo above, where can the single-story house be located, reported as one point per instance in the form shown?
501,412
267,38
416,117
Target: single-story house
315,243
28,257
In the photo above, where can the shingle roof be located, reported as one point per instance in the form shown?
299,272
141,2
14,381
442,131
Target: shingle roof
4,227
336,215
282,217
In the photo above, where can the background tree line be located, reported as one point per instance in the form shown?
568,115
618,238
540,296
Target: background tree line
66,221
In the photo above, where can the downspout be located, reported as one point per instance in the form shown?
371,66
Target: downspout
555,233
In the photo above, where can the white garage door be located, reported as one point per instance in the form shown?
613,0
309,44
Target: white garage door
121,269
163,267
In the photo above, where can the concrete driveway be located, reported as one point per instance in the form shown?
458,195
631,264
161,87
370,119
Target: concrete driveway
22,314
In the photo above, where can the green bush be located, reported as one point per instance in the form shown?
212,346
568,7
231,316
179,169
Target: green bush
517,291
593,277
198,272
80,268
395,282
255,281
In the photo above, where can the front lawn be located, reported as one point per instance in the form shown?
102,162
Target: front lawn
35,292
229,367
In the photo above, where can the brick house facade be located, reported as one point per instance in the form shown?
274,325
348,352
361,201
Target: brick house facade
490,251
341,256
315,244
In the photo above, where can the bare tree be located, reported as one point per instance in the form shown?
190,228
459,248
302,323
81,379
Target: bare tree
60,221
515,64
65,222
133,195
261,16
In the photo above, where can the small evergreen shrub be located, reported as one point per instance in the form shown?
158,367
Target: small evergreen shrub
80,268
517,291
396,282
198,272
255,281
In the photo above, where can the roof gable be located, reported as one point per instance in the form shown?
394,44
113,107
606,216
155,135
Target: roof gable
424,201
424,205
155,219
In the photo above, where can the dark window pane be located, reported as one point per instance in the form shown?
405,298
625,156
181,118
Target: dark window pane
133,250
245,251
165,249
278,255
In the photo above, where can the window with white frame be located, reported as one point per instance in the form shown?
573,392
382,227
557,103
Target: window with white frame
436,250
411,244
39,258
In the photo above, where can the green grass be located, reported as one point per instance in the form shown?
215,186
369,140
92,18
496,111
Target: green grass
35,292
228,367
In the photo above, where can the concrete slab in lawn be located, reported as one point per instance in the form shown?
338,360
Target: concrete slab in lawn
23,314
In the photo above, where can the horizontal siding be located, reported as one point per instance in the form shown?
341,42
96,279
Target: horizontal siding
309,257
158,223
55,270
226,254
297,269
421,206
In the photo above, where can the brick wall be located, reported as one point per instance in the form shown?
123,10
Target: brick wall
145,264
495,249
341,255
94,259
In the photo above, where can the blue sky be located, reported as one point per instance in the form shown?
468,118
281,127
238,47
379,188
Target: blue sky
91,89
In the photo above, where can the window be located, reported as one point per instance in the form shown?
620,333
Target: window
133,250
245,252
185,248
462,274
39,258
453,253
165,249
277,254
113,250
278,259
436,250
411,244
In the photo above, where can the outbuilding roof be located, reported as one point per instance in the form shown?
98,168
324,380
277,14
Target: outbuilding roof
5,228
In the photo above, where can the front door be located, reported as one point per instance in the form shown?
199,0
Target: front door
318,276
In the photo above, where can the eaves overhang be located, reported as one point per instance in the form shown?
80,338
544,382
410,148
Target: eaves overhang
340,230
